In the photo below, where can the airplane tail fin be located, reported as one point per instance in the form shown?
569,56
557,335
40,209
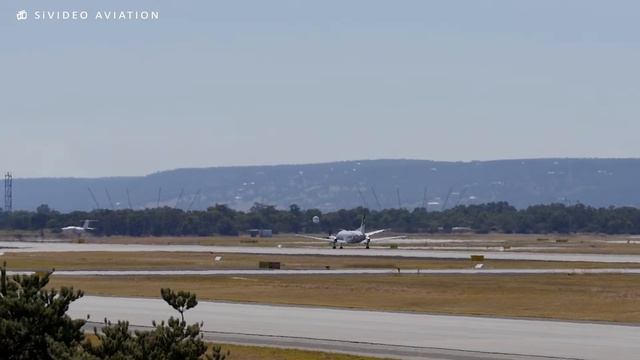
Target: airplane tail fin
362,224
86,224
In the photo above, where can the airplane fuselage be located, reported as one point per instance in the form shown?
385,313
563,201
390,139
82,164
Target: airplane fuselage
79,229
74,229
350,236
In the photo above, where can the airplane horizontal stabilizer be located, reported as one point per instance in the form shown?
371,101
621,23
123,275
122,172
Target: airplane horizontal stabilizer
388,238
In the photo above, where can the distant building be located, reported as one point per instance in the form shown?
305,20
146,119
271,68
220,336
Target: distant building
461,229
265,233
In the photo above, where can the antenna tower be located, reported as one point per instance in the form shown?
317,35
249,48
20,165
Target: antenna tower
8,192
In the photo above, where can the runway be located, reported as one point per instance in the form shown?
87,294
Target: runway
397,335
335,272
8,246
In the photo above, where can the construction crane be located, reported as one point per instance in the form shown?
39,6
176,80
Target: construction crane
129,200
446,200
94,199
196,196
364,201
424,199
159,195
375,196
179,198
106,191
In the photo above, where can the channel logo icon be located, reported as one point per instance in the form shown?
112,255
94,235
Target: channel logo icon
21,15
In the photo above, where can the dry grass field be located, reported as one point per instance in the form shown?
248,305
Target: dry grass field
242,352
579,297
199,260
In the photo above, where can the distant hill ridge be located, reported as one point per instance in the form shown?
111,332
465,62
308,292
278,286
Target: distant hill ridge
347,184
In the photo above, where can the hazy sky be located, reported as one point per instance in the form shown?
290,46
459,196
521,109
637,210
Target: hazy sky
270,82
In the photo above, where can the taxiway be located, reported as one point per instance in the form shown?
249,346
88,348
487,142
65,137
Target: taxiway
8,246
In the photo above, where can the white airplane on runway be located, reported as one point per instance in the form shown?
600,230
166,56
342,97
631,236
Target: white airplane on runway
86,225
357,236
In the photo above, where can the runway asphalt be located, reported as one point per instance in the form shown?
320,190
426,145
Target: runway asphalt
396,335
8,246
229,272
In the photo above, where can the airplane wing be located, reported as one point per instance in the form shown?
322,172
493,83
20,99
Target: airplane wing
329,238
375,232
388,238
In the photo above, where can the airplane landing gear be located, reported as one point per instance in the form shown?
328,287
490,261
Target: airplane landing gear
367,245
340,246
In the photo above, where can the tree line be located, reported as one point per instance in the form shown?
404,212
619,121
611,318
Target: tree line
222,220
